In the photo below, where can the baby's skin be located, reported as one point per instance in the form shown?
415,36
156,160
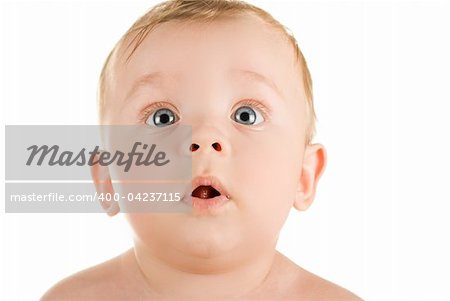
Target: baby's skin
121,278
205,74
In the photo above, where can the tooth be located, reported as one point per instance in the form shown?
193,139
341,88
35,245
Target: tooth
204,193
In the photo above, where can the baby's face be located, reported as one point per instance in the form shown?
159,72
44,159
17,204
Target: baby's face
208,77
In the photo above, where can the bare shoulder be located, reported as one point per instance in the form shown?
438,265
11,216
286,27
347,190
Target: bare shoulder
96,282
322,289
304,285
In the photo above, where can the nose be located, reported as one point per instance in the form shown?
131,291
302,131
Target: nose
216,146
208,140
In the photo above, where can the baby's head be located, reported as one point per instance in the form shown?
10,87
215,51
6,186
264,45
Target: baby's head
202,13
237,77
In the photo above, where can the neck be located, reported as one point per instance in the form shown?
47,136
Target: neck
213,278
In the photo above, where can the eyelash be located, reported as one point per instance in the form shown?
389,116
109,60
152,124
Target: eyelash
153,107
265,110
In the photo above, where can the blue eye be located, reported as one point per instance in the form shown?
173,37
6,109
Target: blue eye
161,118
246,115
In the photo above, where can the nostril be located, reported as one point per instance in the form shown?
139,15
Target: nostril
217,147
194,147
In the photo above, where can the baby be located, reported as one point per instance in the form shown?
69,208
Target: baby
237,77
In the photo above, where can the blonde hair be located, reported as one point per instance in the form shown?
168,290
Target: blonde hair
207,11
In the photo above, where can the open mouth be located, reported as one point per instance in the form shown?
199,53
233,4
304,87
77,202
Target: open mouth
205,192
208,195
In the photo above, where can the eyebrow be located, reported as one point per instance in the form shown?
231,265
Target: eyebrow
259,78
148,79
154,79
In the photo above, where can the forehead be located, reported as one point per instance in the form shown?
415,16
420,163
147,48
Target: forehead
197,52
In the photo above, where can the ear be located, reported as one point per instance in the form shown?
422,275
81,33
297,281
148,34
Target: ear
103,185
314,162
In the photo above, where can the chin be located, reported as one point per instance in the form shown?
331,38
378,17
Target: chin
208,242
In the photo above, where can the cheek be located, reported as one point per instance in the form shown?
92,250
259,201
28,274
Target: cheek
156,231
147,227
267,173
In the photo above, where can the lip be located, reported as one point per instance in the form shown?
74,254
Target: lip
201,205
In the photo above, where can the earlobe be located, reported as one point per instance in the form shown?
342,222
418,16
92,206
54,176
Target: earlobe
314,163
103,186
299,202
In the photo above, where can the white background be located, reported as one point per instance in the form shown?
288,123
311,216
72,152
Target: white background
380,222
